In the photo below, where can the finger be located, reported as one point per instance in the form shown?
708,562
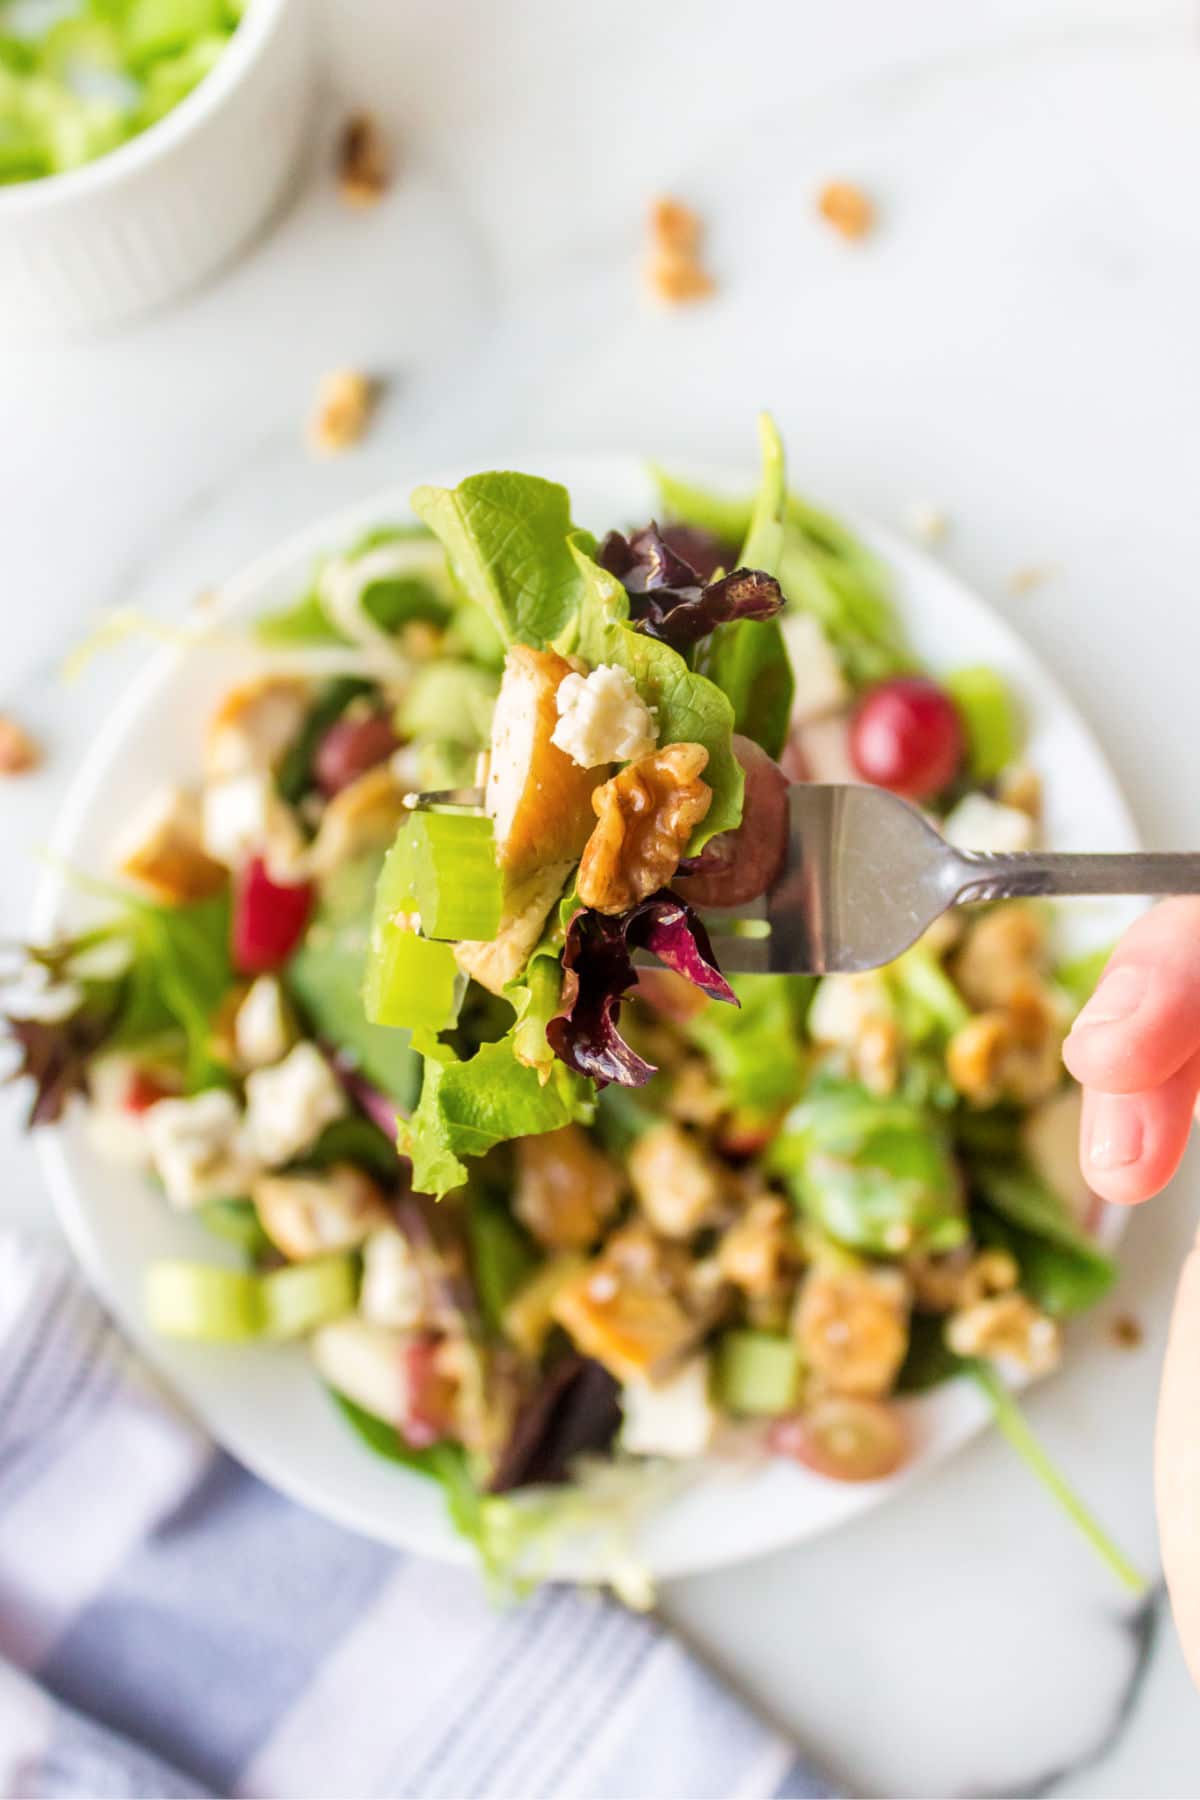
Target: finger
1131,1144
1143,1021
1177,1461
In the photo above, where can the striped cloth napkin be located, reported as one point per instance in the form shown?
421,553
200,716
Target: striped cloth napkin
170,1626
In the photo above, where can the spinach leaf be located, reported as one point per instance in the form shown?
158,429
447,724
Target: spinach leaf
929,1360
506,537
755,1048
355,1139
503,1256
1062,1269
877,1176
690,709
325,977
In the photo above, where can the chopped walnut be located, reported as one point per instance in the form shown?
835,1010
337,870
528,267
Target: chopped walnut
645,817
877,1056
164,851
1008,1326
679,1186
345,401
1125,1332
528,1317
847,208
1009,1053
1002,949
852,1325
566,1190
675,271
363,163
963,1278
758,1252
639,1306
695,1098
18,751
1021,787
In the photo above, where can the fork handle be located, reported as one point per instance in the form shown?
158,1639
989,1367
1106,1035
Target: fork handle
984,875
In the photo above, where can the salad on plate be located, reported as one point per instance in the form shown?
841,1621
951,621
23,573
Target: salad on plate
564,1216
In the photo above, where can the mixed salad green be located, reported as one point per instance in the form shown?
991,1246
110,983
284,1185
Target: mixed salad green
559,1209
79,77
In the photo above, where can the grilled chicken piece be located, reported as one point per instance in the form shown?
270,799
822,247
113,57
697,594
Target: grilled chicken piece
640,1306
538,798
567,1189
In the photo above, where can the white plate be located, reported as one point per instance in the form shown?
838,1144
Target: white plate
264,1404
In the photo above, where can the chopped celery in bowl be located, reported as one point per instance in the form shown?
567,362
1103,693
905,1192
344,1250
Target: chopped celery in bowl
81,77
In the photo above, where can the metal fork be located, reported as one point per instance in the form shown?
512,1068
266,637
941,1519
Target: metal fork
865,874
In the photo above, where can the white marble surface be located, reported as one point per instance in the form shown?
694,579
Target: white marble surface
1018,345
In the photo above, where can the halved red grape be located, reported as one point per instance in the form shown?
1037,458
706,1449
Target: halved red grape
144,1091
906,735
428,1394
844,1438
350,747
739,865
269,919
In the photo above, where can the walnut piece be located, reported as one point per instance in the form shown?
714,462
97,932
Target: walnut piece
364,166
1009,1326
1003,948
345,402
963,1278
567,1189
675,271
640,1306
1011,1052
758,1252
846,207
678,1185
852,1325
18,751
645,817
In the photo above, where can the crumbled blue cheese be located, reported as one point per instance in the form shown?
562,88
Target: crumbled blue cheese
308,1215
245,816
672,1418
199,1148
393,1291
262,1032
602,718
289,1105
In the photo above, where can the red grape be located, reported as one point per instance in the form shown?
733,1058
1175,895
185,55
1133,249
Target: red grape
846,1439
906,736
268,919
349,748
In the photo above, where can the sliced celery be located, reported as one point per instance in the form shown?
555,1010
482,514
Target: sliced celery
409,981
203,1302
989,718
304,1295
456,881
757,1372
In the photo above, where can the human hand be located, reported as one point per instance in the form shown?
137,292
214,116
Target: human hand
1136,1051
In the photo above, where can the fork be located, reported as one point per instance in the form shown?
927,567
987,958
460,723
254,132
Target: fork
865,874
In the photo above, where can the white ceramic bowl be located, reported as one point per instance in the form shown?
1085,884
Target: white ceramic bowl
156,215
264,1403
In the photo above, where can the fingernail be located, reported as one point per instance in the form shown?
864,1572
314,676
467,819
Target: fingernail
1116,1134
1118,997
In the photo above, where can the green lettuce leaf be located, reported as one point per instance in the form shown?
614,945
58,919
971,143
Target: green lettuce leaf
466,1108
506,536
755,1047
689,708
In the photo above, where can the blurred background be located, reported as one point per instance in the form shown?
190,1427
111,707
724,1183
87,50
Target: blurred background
1013,348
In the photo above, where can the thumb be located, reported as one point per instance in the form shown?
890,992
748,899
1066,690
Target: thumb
1177,1462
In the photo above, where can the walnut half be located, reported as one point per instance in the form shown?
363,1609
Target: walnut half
645,816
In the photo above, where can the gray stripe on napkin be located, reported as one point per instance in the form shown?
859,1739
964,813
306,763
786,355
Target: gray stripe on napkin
216,1623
